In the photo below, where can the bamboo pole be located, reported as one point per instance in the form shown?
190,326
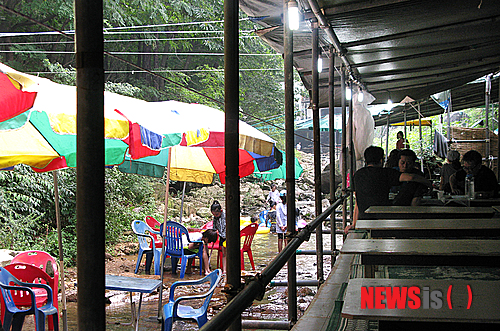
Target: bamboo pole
165,219
61,256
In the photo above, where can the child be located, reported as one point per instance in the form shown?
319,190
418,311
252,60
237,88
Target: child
207,236
271,217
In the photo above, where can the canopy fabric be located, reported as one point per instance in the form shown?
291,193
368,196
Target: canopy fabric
392,48
280,172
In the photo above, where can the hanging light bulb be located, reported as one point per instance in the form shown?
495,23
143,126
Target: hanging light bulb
348,94
320,64
293,15
360,96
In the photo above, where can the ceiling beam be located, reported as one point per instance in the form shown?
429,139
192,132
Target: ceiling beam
434,29
361,5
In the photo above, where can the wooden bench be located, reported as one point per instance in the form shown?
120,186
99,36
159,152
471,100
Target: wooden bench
438,212
432,228
425,252
483,309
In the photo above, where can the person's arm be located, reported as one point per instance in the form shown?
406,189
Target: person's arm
455,186
407,177
355,216
441,183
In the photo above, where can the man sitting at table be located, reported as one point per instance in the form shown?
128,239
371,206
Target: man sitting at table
485,181
409,193
372,183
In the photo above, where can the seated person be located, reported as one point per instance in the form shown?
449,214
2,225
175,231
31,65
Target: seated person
409,193
207,236
451,166
485,181
371,184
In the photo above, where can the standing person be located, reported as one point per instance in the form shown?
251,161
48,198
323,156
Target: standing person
402,143
449,168
274,194
485,180
281,222
372,183
219,224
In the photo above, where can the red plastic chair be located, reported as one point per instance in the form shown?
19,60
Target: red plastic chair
248,232
155,225
43,260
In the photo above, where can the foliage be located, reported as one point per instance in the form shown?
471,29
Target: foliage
27,208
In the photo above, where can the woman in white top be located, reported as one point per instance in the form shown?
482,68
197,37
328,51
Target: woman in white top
281,222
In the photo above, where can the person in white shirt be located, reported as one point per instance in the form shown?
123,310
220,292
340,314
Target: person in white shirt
281,222
274,194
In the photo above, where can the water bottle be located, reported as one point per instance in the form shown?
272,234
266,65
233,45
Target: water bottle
469,186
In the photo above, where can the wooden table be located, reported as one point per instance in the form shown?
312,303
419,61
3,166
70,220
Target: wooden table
432,228
425,252
484,305
132,284
407,212
461,200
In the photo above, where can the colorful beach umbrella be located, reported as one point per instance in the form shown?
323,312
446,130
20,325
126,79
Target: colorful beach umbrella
200,153
44,136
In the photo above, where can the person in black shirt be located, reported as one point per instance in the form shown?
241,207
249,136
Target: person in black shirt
372,183
485,181
409,193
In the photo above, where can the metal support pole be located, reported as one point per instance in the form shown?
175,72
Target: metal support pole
487,122
352,153
331,120
344,145
290,164
231,141
404,116
387,136
448,112
498,125
90,163
317,150
420,138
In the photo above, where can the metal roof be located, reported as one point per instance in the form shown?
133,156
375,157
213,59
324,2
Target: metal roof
394,48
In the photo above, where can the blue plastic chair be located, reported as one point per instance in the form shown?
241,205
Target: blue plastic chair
14,316
174,311
174,246
141,229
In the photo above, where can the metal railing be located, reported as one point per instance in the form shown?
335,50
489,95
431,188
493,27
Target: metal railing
255,288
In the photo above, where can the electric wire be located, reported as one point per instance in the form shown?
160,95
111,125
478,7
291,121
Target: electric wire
147,71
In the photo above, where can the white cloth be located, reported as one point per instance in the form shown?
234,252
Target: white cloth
193,236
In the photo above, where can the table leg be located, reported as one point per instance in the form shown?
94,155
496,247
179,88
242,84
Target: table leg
138,313
132,309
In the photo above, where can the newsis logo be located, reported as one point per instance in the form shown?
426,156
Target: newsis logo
403,297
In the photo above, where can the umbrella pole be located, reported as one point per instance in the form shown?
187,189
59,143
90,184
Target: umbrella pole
182,201
61,256
162,262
